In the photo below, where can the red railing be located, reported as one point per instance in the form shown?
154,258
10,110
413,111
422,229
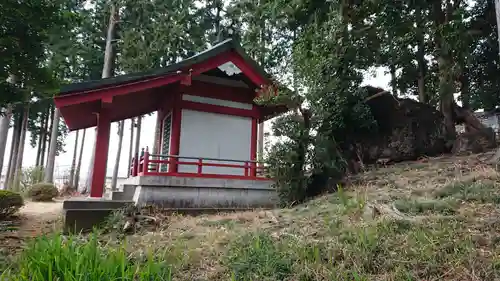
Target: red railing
167,165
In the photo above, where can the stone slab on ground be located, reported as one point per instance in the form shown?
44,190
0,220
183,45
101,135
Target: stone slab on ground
83,214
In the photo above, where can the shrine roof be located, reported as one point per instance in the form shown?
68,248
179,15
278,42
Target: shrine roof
224,46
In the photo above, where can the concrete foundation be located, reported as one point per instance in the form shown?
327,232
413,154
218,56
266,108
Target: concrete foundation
82,214
186,192
175,194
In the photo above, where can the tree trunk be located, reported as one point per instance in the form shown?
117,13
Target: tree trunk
422,65
51,157
394,85
131,147
20,150
445,63
73,162
49,140
138,137
16,135
40,140
4,132
107,71
114,179
79,165
88,180
4,127
39,145
44,138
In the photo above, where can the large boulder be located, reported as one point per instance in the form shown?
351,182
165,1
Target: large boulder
408,129
475,141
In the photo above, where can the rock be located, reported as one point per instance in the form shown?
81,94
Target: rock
320,183
477,141
408,129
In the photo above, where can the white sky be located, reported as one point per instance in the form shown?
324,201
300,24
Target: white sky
63,161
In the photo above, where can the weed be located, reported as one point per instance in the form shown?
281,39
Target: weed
418,207
60,258
258,257
471,191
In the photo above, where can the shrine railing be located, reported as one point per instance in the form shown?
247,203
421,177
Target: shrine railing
168,165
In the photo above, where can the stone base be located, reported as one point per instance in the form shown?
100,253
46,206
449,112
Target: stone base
203,193
83,214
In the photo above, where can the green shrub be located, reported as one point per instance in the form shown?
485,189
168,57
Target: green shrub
10,203
82,258
43,192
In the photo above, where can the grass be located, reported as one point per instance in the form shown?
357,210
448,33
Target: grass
57,258
435,220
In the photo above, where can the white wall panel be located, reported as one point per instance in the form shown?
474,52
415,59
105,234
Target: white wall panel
211,135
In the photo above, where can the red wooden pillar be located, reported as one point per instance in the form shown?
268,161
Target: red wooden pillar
101,153
175,136
253,148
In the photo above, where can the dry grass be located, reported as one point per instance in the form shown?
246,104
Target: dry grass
436,219
449,231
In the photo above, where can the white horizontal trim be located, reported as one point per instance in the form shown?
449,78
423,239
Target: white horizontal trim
220,102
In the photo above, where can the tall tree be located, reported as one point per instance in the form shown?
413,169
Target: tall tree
108,66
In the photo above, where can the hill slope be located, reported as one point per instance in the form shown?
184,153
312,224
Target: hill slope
432,220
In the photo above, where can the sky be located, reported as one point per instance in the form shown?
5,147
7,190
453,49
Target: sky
63,161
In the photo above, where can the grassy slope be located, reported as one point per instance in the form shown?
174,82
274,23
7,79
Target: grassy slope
448,229
434,220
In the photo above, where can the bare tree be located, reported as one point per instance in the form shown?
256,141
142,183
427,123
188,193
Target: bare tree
51,158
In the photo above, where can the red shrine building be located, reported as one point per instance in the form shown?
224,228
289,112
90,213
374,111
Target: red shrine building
207,112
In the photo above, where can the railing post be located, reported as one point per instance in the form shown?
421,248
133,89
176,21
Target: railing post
135,168
253,169
146,161
246,169
200,166
172,164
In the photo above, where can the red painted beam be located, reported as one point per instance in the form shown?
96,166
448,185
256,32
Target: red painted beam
137,86
203,107
175,135
248,71
109,92
209,90
101,154
253,147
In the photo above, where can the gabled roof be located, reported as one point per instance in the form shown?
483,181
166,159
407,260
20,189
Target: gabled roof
136,94
224,46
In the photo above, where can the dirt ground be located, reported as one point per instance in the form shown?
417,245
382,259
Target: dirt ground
34,219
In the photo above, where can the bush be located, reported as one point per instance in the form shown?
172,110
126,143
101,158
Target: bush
10,203
43,192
